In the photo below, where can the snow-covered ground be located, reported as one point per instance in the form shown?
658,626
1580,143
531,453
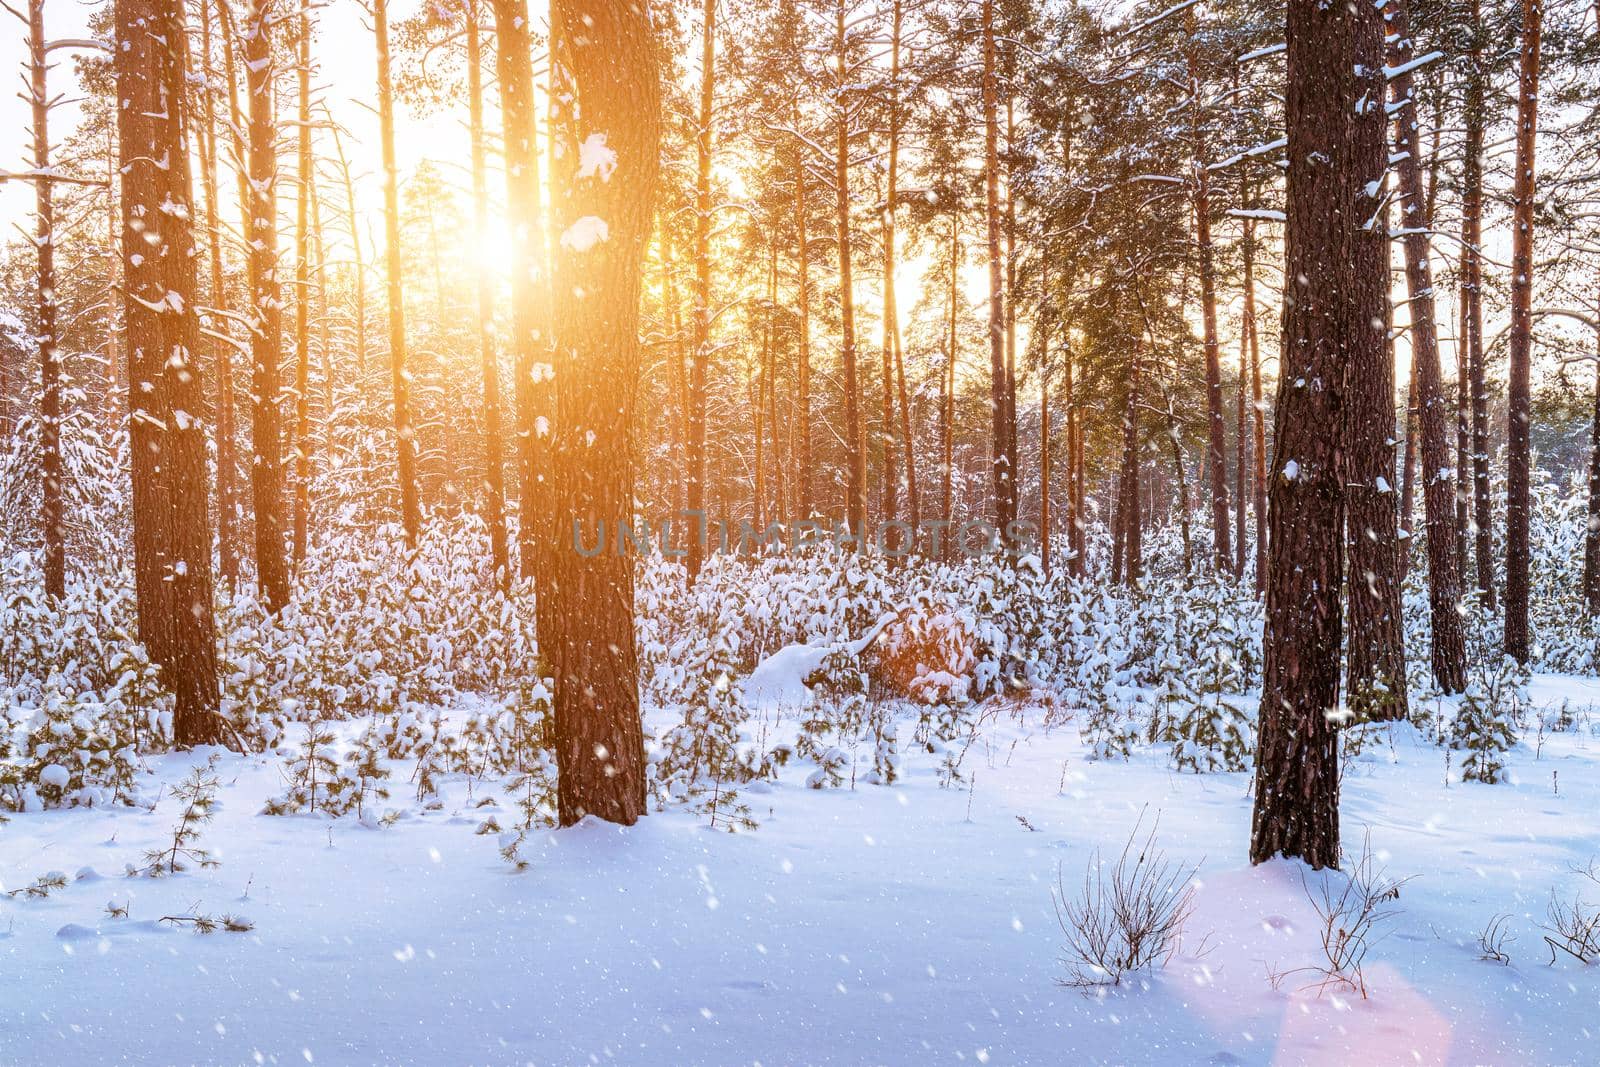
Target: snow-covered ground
908,924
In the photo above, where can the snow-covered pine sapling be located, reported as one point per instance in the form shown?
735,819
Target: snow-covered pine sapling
310,774
1485,722
1107,731
209,924
40,887
198,795
360,784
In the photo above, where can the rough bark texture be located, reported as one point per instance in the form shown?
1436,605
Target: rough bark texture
171,494
1519,447
1328,314
400,379
608,51
266,309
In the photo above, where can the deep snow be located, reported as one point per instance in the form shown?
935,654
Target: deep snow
907,924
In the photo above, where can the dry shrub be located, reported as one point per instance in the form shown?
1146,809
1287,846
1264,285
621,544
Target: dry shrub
1126,919
926,655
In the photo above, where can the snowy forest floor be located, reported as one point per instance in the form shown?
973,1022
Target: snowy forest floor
907,924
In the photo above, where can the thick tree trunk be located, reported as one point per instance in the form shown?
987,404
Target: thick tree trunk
1438,487
494,462
266,306
171,494
612,65
1336,290
700,342
394,263
1519,447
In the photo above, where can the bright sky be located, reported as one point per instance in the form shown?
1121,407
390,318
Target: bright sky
347,67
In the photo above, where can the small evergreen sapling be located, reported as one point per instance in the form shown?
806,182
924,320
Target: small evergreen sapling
198,794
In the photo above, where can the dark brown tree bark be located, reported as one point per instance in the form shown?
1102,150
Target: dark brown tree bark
171,494
494,462
266,308
1519,447
608,51
1449,654
394,269
1336,288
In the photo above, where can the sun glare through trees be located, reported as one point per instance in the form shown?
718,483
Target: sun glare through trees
799,531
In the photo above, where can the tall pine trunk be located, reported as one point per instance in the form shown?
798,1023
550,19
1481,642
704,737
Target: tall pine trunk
221,347
171,494
1003,487
494,462
266,307
394,271
1335,293
855,452
302,296
607,50
1472,224
700,342
1519,447
529,299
